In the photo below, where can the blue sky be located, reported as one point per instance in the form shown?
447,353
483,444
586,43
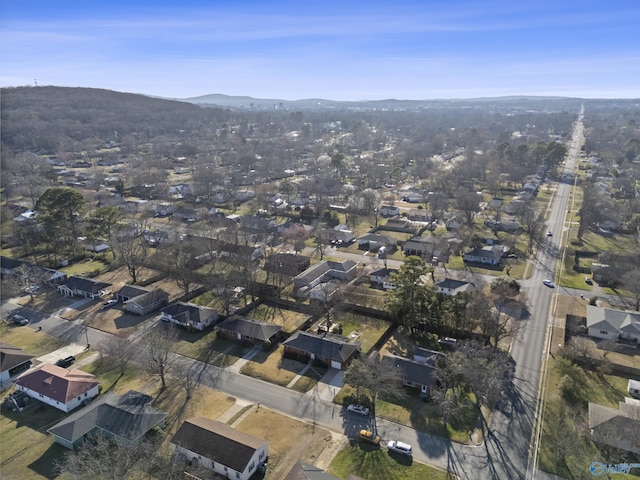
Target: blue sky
339,50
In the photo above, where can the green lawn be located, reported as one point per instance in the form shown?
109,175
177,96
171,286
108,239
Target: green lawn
85,268
373,463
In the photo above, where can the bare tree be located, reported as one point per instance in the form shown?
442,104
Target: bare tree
120,349
159,344
133,253
188,376
106,459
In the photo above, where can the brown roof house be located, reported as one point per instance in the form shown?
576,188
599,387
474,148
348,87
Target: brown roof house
189,315
218,447
335,351
126,418
13,361
242,329
619,428
56,386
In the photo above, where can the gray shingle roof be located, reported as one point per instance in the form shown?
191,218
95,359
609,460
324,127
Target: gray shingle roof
250,328
218,442
333,347
128,416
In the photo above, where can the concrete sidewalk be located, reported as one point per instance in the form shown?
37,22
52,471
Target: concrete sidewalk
235,368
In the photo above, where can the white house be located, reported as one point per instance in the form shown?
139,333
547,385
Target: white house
218,447
64,389
13,361
612,324
450,286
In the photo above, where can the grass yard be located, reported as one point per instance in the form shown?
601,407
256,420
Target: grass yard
414,412
289,320
85,268
365,330
207,347
31,341
290,440
28,451
566,447
272,367
377,464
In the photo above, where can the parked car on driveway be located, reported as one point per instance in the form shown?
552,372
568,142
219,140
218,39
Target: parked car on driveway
109,303
32,289
66,362
20,320
399,447
588,280
359,409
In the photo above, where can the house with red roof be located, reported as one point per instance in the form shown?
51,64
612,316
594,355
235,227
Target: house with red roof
64,389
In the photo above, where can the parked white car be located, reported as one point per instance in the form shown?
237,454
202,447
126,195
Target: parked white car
399,447
359,409
549,283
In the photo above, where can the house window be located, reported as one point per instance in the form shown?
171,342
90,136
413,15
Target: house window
237,474
261,456
251,467
604,332
86,393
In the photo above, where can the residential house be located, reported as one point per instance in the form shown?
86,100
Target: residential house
13,361
399,224
389,211
332,234
334,351
450,286
603,273
130,291
453,223
9,266
382,276
373,242
83,287
126,418
613,324
413,197
258,224
286,263
414,373
323,292
189,315
419,215
246,330
324,271
429,248
488,255
219,447
147,302
619,428
64,389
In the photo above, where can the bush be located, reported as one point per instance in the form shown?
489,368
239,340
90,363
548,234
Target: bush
593,300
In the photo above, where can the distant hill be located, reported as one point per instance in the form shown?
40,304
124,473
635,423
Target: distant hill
247,102
40,119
